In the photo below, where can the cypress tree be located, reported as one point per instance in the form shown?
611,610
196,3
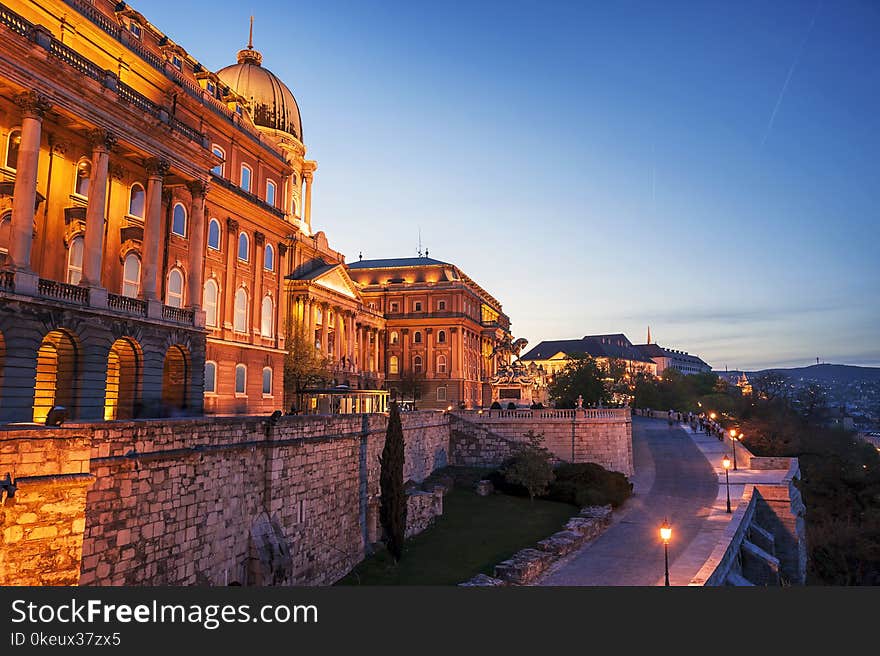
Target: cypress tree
392,511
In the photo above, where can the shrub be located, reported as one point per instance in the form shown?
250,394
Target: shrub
495,406
530,466
511,406
589,484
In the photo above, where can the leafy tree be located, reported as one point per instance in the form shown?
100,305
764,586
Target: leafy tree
392,508
582,376
530,466
304,365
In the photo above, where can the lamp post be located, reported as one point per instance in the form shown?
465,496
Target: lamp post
665,535
733,439
726,464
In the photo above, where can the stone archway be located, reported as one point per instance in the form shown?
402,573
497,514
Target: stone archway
122,391
58,369
176,379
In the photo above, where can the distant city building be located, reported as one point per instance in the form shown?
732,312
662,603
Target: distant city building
554,355
666,358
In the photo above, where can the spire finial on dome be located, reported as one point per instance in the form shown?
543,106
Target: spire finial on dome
249,55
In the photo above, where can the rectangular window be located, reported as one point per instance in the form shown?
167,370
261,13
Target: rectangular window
175,61
211,88
441,305
417,306
135,29
441,393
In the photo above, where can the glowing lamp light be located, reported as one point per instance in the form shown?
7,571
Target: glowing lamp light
733,433
449,408
712,415
726,462
665,531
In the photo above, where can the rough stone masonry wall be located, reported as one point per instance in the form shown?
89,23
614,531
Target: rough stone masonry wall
42,521
204,501
486,438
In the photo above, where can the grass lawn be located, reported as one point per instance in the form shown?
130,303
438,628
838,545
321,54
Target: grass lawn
473,535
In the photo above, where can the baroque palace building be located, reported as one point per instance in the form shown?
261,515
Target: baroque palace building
156,241
150,210
446,337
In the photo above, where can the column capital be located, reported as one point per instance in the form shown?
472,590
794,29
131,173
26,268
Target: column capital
231,224
259,238
282,249
101,139
308,176
33,104
197,188
156,167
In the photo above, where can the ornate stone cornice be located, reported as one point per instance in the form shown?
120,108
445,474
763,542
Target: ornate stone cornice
198,188
231,224
156,167
259,238
33,104
101,139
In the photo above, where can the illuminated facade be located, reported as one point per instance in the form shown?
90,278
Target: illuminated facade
149,213
443,331
553,355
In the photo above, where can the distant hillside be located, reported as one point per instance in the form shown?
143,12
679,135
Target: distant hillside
826,373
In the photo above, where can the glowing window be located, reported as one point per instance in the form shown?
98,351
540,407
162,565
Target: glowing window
393,366
239,323
83,172
137,199
13,143
174,292
266,312
209,302
441,364
131,276
75,261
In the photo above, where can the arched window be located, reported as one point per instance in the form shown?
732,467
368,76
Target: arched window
245,177
75,261
441,364
417,364
209,302
239,323
13,143
270,192
137,199
395,338
210,377
267,381
244,247
417,337
83,173
393,366
131,276
240,378
178,220
441,336
269,258
266,312
219,152
174,293
214,234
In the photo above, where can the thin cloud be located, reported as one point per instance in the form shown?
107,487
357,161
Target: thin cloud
791,70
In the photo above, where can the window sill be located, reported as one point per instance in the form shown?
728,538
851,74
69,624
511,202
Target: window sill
240,395
268,396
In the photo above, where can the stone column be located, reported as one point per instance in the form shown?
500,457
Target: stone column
349,334
229,284
257,310
429,355
307,212
309,321
102,141
33,106
281,305
197,188
324,327
156,170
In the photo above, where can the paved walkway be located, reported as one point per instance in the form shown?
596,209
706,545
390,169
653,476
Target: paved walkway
673,479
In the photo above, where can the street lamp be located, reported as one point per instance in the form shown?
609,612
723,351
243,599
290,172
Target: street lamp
712,416
726,464
733,439
665,535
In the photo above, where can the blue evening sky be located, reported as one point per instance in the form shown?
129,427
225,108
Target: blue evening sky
708,168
